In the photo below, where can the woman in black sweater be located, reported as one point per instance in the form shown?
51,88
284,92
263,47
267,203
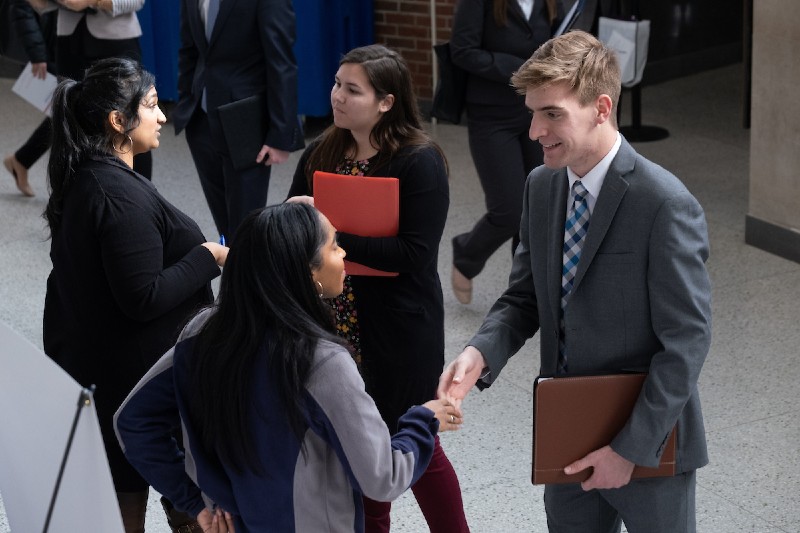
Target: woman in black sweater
128,267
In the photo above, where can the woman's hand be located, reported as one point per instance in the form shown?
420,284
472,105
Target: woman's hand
39,70
215,522
449,416
302,200
219,251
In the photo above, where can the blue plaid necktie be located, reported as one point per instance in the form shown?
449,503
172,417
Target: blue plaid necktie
574,234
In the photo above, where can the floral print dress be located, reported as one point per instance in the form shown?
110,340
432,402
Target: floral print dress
344,305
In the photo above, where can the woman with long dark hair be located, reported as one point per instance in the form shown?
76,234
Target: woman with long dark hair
280,431
128,267
395,324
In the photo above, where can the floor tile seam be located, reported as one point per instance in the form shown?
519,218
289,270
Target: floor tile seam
750,421
741,508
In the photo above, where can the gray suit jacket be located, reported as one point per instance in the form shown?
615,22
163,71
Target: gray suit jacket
641,298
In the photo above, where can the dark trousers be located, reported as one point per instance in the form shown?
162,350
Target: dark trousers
654,505
36,145
503,155
438,495
78,51
231,194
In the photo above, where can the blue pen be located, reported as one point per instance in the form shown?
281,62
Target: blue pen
222,240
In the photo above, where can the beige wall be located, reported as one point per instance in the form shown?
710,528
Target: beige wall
775,133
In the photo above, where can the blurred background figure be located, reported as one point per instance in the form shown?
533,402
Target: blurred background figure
491,39
36,28
231,51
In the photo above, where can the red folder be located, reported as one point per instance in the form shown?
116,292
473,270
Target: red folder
365,206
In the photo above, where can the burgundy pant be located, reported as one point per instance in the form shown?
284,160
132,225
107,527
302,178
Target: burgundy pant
438,495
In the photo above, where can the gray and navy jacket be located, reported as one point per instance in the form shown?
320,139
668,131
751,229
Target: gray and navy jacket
348,449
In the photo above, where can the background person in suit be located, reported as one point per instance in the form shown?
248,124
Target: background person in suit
395,324
640,298
128,268
90,30
491,39
243,50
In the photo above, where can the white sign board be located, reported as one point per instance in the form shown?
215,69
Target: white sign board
38,402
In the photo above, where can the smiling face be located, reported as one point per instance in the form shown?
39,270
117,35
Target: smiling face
571,135
145,135
330,273
355,104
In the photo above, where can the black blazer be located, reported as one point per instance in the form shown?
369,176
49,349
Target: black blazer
491,54
250,52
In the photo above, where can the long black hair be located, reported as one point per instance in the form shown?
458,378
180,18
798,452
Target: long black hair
266,295
80,121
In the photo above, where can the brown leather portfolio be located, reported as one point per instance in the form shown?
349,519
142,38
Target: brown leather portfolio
574,416
365,206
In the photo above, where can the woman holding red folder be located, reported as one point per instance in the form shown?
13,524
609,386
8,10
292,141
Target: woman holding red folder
395,324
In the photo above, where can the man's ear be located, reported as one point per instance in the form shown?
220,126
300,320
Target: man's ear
116,121
386,103
604,106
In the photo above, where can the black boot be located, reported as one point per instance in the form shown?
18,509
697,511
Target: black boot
180,522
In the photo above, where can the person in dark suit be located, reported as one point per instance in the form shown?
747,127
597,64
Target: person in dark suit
632,294
490,40
129,269
231,50
395,324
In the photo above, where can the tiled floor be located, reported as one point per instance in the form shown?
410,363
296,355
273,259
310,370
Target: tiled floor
749,383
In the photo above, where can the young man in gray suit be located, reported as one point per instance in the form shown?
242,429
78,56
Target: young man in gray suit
611,271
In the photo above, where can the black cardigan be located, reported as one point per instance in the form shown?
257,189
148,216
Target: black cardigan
128,272
401,318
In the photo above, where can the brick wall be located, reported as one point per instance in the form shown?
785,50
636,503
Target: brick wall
405,25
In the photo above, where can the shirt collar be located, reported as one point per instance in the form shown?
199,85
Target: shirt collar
593,180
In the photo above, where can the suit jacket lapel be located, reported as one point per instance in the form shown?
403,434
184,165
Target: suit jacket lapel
557,215
614,187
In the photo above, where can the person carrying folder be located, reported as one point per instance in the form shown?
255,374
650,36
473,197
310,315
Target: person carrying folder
231,51
611,272
395,324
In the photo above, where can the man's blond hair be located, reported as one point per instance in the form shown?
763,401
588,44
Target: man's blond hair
577,58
